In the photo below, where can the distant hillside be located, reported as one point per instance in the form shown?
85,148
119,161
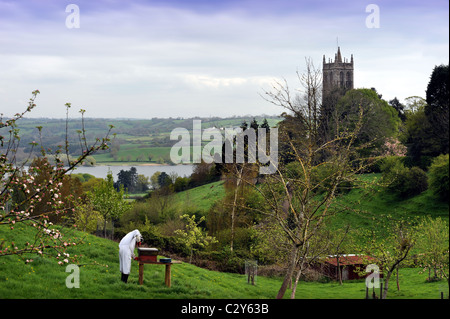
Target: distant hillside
135,140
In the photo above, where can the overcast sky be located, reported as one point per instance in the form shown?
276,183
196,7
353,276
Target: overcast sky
178,58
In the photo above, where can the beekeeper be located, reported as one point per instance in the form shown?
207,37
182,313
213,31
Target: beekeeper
126,252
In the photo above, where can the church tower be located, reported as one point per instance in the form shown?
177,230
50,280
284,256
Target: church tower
337,75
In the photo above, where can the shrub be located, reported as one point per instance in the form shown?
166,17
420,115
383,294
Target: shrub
391,163
403,181
416,182
439,175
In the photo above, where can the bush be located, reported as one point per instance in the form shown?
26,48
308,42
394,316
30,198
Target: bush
403,181
391,163
164,243
416,182
439,176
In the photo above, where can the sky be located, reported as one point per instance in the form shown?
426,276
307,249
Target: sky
181,58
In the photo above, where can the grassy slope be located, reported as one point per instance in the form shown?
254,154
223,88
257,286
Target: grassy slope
202,197
43,278
373,205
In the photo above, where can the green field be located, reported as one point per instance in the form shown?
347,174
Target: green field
44,278
202,197
132,140
131,154
371,204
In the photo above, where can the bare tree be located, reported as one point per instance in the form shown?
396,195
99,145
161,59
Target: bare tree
300,194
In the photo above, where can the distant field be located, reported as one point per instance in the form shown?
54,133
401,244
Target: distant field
136,153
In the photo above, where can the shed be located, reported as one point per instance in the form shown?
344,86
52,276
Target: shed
350,265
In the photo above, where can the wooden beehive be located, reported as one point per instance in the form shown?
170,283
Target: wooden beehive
147,254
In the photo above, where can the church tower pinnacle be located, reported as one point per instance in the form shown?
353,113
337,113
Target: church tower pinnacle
337,75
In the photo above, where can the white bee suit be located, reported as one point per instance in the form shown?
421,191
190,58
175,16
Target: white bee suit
126,250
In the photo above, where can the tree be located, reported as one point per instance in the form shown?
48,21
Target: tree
49,239
399,107
390,247
254,124
427,121
142,183
292,199
127,179
86,217
265,125
439,177
193,236
437,107
154,180
380,120
237,204
164,180
421,146
433,241
109,202
203,173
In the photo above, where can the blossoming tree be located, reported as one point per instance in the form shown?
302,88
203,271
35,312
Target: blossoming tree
32,202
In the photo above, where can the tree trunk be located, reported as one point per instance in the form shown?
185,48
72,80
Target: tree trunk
233,211
289,273
112,229
104,229
339,272
294,289
386,283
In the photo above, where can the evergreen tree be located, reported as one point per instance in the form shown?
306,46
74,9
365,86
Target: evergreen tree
436,110
265,125
127,179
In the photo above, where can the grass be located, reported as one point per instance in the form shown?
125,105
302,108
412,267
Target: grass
135,153
44,278
371,207
202,197
377,205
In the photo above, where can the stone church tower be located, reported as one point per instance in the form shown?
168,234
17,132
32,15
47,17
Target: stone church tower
337,75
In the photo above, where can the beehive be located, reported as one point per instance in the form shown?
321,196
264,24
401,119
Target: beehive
147,254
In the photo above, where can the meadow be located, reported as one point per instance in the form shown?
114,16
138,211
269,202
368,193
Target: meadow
100,279
100,276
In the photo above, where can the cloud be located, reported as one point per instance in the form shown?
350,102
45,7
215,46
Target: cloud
174,58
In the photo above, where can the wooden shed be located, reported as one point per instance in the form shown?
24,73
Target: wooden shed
350,265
